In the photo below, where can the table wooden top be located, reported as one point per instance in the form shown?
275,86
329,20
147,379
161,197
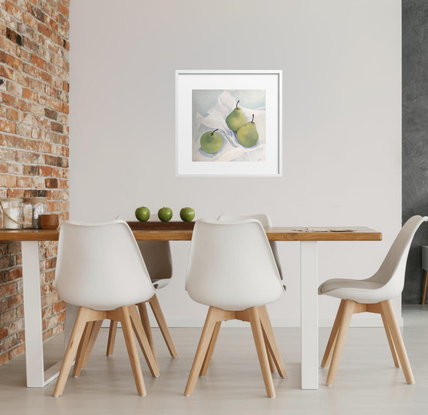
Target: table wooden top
352,233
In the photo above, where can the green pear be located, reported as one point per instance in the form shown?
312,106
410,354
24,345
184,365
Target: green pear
248,135
211,142
236,119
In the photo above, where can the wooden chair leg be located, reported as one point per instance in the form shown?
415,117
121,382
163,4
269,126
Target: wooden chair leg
148,330
201,351
270,358
157,311
348,309
82,349
271,342
210,349
128,334
82,318
388,312
390,341
333,335
111,338
93,337
143,341
256,328
425,287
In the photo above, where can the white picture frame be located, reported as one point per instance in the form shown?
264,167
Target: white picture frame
264,159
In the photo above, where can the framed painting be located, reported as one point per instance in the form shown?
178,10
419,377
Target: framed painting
229,123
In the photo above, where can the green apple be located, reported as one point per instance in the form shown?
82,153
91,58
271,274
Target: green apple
187,214
165,214
142,214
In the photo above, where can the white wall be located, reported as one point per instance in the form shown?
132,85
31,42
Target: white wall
341,62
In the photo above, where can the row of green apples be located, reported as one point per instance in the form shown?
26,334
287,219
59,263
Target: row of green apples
246,133
164,214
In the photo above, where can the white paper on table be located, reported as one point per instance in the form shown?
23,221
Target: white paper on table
232,150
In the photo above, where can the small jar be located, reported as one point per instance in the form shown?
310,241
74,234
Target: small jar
11,213
33,208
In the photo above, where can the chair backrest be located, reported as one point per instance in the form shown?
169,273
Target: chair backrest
156,254
267,223
100,266
231,265
392,271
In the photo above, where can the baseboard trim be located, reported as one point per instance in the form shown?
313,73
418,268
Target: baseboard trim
356,321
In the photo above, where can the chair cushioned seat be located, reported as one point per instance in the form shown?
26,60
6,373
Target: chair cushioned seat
356,290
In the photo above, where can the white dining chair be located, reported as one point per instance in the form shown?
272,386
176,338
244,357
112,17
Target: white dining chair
372,295
266,223
232,270
158,260
101,270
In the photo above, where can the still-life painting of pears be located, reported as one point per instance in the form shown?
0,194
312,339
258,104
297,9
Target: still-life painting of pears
229,125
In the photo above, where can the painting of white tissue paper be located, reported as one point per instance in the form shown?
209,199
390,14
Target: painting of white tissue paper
240,138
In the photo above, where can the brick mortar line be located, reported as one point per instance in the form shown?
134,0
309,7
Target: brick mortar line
34,151
36,175
28,177
38,152
25,164
38,188
33,139
44,188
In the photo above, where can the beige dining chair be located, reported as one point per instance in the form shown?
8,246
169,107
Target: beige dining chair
372,295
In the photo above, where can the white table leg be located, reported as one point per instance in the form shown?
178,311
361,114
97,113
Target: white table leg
309,313
33,317
37,377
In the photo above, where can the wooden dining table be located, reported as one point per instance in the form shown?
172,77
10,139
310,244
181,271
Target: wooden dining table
307,236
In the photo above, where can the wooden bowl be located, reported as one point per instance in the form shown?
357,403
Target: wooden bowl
49,221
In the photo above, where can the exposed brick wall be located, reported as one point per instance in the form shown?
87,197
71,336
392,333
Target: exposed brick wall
34,150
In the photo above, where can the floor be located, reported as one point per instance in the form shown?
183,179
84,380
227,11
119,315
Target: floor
367,382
